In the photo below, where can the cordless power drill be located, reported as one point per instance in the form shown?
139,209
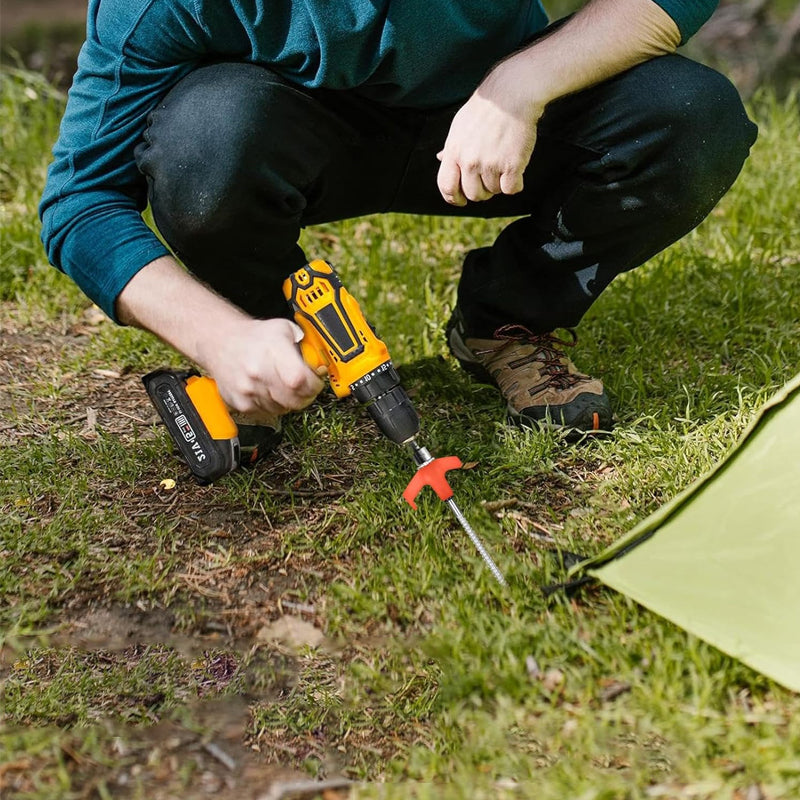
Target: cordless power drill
336,336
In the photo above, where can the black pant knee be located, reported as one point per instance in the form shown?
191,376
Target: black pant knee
708,136
213,148
228,155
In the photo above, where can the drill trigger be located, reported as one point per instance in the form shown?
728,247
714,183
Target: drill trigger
432,474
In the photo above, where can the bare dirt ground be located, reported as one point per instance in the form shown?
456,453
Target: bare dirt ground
234,626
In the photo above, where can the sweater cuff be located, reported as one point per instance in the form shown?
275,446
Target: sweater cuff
100,251
689,15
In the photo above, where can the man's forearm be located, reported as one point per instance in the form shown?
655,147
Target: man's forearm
256,362
492,137
601,40
164,299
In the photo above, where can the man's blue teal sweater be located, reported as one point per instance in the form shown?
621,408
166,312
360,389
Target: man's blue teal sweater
419,53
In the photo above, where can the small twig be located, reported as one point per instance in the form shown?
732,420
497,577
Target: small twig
544,530
217,752
20,765
498,505
168,504
72,754
131,416
540,537
305,492
194,585
613,691
285,789
266,516
303,608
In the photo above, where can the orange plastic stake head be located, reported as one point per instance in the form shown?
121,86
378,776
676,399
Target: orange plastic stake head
432,474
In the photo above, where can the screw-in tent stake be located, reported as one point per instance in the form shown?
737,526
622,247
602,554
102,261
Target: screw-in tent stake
432,472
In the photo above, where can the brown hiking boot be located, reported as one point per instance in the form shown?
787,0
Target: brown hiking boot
537,379
257,441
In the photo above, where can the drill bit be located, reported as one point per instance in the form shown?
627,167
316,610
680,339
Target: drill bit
431,472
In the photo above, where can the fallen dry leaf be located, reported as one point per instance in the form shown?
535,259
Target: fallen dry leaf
612,689
291,631
94,316
89,430
553,679
532,668
89,322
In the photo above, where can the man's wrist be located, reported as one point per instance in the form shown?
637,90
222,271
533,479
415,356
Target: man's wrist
524,81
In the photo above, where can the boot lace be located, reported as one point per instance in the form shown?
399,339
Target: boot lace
554,362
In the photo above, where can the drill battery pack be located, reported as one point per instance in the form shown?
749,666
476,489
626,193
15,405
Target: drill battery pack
197,420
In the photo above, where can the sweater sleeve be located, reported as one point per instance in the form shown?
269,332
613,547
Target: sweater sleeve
689,15
92,227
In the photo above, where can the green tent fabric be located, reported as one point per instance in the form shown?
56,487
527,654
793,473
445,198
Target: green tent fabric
722,560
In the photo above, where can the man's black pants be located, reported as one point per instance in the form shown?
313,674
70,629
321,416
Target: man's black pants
238,160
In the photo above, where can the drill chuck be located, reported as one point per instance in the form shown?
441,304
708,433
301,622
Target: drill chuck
387,403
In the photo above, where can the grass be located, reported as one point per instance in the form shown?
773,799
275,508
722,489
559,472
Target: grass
136,619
